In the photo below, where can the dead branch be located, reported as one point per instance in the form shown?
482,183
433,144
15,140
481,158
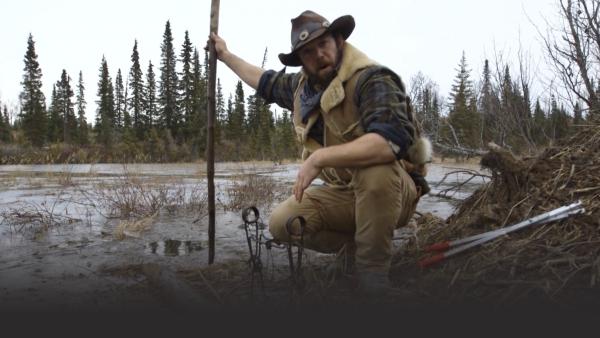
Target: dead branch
457,186
457,150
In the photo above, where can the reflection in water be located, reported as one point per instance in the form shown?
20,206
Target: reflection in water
38,188
173,247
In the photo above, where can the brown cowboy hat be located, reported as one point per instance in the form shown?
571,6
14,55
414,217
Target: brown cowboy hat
309,26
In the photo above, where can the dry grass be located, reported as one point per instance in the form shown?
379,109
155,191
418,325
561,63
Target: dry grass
133,228
136,197
231,283
65,177
8,180
254,189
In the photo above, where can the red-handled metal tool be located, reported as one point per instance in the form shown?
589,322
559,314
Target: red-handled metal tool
463,244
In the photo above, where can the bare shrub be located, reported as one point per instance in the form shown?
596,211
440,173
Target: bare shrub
63,178
197,201
134,197
34,217
254,189
66,179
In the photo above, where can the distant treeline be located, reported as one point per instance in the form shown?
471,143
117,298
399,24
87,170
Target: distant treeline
164,119
498,109
145,120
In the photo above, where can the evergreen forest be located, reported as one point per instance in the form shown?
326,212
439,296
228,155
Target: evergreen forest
158,112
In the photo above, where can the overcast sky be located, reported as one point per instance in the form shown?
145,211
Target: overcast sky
405,35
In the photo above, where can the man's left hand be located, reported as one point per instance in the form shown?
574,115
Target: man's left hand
307,173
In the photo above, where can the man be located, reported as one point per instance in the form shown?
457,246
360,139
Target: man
358,134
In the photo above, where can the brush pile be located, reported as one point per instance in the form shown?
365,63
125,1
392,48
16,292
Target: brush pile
558,261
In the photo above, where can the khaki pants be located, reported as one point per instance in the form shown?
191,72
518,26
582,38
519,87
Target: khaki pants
378,200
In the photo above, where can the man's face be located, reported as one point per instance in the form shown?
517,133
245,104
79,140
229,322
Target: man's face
320,58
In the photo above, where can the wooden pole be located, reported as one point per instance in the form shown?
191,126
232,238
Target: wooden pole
210,161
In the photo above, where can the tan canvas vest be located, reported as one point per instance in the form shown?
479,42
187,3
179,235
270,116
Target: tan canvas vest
340,115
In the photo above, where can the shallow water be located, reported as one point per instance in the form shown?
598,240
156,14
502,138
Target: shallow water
46,264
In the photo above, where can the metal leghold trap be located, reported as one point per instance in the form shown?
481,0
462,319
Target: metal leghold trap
257,236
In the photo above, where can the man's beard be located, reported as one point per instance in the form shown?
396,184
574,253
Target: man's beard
324,81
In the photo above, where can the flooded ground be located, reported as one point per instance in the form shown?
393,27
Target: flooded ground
72,236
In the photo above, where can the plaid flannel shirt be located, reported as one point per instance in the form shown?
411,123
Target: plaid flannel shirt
380,97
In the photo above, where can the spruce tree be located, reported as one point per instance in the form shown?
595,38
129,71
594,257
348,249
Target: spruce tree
227,136
3,127
32,100
221,112
516,114
151,113
4,124
167,97
229,119
563,123
106,107
200,106
488,106
463,116
121,101
266,130
136,100
526,117
559,120
432,111
252,124
259,125
54,125
285,144
435,117
67,111
506,106
82,129
186,88
577,114
206,70
120,105
238,118
526,103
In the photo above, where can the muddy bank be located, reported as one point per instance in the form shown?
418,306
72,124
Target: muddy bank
66,243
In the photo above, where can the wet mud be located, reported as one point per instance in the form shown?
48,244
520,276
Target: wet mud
78,256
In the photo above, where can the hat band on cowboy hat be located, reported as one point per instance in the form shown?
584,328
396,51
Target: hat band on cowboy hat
309,26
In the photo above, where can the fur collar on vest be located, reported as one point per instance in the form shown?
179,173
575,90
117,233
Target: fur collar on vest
353,60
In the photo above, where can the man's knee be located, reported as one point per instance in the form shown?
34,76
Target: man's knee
277,221
378,180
